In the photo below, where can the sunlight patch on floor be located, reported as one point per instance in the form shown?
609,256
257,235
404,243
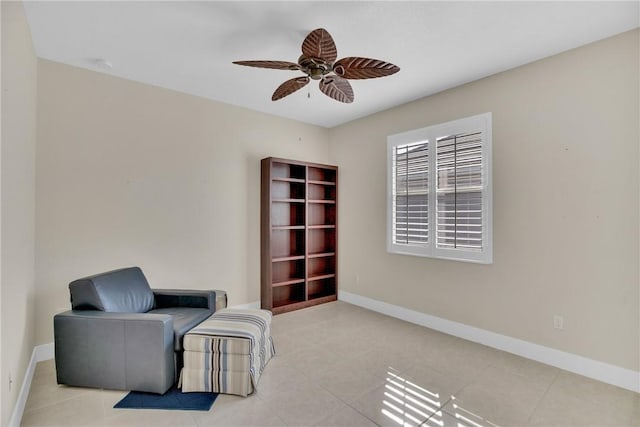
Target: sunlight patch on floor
410,405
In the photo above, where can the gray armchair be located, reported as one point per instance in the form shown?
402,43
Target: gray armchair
121,334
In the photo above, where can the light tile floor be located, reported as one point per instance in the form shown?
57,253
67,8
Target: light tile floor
341,365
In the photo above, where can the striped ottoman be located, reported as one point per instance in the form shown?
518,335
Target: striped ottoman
227,352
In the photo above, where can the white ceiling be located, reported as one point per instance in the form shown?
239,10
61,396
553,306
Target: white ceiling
189,46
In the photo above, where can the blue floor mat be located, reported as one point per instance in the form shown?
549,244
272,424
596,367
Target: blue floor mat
173,399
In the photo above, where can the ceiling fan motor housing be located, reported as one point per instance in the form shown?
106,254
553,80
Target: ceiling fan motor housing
315,68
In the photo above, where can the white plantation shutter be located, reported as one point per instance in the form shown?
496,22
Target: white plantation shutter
459,191
439,179
411,201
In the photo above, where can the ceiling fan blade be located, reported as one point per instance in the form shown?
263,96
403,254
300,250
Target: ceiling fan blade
319,44
337,88
277,65
354,67
290,86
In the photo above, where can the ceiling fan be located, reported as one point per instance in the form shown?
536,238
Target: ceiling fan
318,62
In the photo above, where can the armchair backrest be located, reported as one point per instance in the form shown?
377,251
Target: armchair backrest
125,290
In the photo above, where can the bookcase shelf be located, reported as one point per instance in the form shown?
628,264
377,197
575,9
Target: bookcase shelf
322,182
320,277
288,282
288,200
288,227
298,234
321,255
331,202
276,179
288,258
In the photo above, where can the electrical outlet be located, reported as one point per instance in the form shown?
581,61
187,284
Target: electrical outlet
558,321
10,381
357,279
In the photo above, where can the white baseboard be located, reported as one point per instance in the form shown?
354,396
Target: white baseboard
607,373
39,353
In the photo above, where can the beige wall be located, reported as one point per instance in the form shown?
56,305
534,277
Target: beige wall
19,70
566,197
131,174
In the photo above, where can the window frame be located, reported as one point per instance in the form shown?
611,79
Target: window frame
480,122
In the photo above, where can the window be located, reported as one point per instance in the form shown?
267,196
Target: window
439,191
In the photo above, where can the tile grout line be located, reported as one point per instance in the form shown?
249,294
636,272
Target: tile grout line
440,409
452,397
551,383
361,414
49,405
348,404
257,394
344,402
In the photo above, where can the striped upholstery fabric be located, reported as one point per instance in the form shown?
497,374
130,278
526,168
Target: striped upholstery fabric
227,352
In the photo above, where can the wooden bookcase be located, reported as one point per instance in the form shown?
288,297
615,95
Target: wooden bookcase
299,234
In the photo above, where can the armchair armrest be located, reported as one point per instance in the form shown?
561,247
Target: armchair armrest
124,351
211,299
